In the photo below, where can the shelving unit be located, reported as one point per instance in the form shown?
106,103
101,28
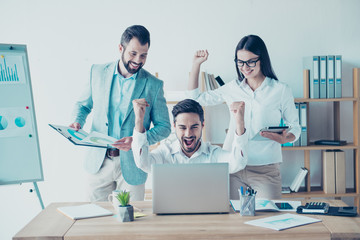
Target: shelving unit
311,192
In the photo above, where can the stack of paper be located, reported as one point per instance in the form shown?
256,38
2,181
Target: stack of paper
84,211
284,221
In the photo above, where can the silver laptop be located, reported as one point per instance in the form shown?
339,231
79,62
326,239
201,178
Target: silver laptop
190,188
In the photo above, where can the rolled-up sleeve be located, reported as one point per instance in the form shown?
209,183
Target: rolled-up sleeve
142,156
160,118
209,98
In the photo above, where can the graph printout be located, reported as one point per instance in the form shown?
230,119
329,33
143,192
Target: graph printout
92,139
15,122
284,221
11,68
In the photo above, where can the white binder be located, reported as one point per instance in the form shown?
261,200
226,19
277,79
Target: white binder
312,63
303,124
323,76
297,142
338,76
340,171
295,185
328,168
330,77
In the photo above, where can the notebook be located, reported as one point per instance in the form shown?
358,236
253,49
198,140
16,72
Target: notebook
84,211
190,188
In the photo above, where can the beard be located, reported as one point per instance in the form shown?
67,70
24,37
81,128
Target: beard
127,65
192,149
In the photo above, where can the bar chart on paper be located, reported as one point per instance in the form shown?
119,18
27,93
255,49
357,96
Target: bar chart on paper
11,69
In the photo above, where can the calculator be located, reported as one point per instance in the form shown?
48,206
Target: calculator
316,207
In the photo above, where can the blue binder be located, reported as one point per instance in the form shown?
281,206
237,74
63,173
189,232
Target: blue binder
303,125
323,76
338,76
330,77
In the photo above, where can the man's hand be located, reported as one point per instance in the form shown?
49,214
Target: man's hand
123,144
200,57
76,126
139,106
238,109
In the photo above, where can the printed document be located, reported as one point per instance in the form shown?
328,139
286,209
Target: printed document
284,221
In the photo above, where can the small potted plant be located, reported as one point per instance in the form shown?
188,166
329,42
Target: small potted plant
126,211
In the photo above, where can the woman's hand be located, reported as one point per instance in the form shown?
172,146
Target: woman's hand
282,138
200,57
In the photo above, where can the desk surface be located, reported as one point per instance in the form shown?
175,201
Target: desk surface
51,224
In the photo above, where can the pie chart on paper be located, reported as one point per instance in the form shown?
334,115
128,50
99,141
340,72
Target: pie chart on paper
76,134
99,140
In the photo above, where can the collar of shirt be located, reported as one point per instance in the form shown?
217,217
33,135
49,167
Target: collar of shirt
118,74
266,82
176,149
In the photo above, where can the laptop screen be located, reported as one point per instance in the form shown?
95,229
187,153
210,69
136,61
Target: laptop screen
190,188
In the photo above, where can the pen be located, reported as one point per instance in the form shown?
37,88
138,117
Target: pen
241,190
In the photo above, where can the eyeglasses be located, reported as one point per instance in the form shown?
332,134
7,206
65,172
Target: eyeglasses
249,63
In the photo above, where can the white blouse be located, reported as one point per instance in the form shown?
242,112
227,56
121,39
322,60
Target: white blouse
264,107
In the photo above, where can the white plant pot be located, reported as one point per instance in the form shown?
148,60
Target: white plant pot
126,214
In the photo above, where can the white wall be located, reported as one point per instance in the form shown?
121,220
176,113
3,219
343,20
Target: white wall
65,37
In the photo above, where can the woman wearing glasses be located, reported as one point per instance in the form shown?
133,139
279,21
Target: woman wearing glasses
267,101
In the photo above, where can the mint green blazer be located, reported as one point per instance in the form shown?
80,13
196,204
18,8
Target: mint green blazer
96,99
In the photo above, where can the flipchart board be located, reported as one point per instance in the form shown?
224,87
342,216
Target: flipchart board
20,159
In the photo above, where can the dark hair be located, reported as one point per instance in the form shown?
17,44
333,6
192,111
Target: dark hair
138,31
256,45
188,106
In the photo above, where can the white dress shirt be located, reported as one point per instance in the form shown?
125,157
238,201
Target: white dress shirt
264,107
170,152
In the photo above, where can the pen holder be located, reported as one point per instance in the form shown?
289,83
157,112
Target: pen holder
247,205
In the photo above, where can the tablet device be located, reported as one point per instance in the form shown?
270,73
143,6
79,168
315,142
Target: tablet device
283,205
275,129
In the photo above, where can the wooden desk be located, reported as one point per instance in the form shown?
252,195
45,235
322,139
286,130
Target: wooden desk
51,224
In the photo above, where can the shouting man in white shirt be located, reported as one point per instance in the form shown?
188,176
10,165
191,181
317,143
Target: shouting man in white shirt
188,122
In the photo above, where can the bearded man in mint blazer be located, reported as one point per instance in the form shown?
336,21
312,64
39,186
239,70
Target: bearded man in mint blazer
108,95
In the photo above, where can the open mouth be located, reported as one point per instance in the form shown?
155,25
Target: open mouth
189,142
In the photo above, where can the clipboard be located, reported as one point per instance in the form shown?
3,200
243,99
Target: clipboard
275,129
81,137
